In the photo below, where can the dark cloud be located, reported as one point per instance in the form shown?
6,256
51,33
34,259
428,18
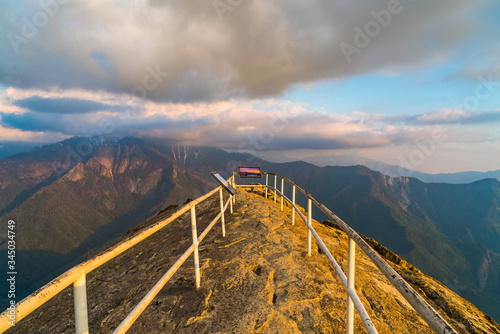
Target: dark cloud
76,125
306,142
34,122
63,105
194,51
449,117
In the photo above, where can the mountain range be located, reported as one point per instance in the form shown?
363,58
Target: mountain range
71,199
10,148
323,160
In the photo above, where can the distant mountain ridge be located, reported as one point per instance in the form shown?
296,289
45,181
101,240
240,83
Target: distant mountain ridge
8,149
67,206
396,171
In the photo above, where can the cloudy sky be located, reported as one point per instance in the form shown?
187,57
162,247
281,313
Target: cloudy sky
412,83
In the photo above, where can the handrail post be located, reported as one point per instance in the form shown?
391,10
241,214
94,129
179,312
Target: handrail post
80,301
309,223
222,212
282,193
293,206
275,189
195,242
234,186
351,256
266,184
231,204
231,182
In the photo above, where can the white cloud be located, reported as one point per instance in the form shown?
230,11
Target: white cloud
272,124
446,115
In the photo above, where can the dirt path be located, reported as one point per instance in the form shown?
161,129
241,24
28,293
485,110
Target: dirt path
259,279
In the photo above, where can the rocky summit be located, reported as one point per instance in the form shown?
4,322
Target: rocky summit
257,279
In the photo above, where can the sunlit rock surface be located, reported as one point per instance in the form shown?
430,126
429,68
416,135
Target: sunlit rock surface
258,279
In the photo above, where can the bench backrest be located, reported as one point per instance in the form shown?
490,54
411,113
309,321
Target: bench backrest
250,172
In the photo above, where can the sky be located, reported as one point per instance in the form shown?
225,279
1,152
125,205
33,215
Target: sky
409,83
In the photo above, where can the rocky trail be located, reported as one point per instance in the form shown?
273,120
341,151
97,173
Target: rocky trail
258,279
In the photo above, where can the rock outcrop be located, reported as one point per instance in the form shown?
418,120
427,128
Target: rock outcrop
258,279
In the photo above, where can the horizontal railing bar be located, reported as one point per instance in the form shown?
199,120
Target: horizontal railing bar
141,306
27,305
437,323
250,185
212,223
45,293
126,244
370,328
292,183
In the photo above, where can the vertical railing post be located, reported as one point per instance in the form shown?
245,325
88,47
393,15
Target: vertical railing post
231,204
231,181
309,222
282,193
195,242
275,188
266,185
80,301
222,212
234,186
293,207
351,255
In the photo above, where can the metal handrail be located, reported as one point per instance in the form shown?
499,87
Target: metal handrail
136,312
437,323
367,322
77,274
